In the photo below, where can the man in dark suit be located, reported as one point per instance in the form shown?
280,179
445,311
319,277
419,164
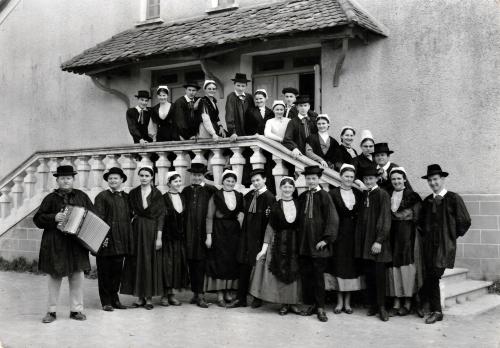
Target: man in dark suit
237,104
382,156
138,119
300,127
290,95
184,115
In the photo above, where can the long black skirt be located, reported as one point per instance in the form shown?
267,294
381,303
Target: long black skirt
222,260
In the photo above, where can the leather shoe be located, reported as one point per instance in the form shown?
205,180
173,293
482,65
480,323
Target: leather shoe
194,300
348,311
283,310
308,311
221,303
256,303
337,310
322,315
77,316
384,316
118,305
435,316
173,301
200,302
49,317
108,308
371,311
235,304
149,306
420,312
403,311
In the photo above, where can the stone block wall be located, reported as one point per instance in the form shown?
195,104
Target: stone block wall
23,239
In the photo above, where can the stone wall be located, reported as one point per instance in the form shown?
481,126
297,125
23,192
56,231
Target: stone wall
22,240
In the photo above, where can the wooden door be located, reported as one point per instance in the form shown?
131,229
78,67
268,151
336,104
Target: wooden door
288,80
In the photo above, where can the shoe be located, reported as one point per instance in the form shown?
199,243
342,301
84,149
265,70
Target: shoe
149,306
138,304
200,302
49,317
384,316
118,305
221,303
420,312
77,316
194,300
393,312
372,311
108,308
256,303
348,311
337,310
322,315
236,303
435,316
164,302
283,310
308,311
403,311
173,301
294,309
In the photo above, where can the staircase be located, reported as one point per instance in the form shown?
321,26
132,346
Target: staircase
465,297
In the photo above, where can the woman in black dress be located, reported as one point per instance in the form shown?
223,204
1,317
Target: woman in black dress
162,116
321,147
208,113
142,271
173,252
402,273
224,219
343,274
364,160
346,151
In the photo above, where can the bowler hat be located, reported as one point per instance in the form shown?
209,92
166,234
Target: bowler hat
310,170
369,171
290,90
239,77
198,168
143,94
191,84
65,171
382,148
434,169
302,99
115,170
258,171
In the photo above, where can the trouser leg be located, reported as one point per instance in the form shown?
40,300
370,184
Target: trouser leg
103,281
319,265
197,273
244,282
76,291
368,270
307,279
54,285
434,290
116,269
380,282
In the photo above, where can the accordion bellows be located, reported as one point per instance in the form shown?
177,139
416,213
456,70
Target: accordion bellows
86,226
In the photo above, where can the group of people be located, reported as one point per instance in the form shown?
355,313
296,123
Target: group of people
382,238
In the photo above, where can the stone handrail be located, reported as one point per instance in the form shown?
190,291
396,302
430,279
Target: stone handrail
23,189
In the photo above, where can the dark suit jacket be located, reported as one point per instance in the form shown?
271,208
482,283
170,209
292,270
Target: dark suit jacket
184,120
295,135
138,130
294,112
235,113
254,122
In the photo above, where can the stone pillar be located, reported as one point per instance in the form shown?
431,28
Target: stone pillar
279,171
217,162
17,192
258,160
5,202
30,181
97,169
237,162
162,164
83,169
43,173
181,163
129,166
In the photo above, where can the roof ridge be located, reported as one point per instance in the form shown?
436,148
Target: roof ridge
353,5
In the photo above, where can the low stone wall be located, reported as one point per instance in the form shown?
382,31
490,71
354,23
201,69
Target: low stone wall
22,239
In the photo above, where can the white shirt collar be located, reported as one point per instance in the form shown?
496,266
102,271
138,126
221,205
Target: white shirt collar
139,108
386,167
239,94
110,190
441,193
324,136
373,188
262,190
301,117
187,98
316,189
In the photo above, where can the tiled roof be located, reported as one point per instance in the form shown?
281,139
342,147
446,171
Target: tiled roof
272,20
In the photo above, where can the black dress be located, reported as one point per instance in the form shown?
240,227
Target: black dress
60,254
343,265
361,163
222,259
166,130
344,156
142,272
173,251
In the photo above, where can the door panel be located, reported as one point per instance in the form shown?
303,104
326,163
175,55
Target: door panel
289,80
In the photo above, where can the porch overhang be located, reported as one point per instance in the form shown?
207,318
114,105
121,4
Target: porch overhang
216,34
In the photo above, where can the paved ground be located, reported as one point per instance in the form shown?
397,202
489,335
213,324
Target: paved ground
23,297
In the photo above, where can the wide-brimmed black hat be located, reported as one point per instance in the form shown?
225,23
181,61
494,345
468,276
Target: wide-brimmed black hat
198,168
65,171
382,148
434,169
302,99
143,94
258,171
115,170
312,170
290,90
191,84
239,77
369,171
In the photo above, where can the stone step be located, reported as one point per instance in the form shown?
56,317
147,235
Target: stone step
470,309
454,275
462,291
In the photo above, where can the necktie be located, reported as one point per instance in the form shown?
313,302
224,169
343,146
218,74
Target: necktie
242,97
117,193
141,116
435,202
191,109
253,204
368,199
309,204
305,122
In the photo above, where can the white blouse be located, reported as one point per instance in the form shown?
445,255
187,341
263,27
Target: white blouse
163,110
275,128
348,198
396,198
290,211
230,199
144,194
176,202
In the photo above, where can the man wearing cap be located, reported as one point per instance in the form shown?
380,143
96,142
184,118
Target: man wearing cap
112,206
290,95
300,127
257,207
444,218
138,119
62,255
318,229
196,196
382,155
184,116
237,104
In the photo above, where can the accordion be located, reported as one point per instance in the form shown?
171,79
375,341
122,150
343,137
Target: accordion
86,226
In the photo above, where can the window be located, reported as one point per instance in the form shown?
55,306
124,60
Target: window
221,5
153,9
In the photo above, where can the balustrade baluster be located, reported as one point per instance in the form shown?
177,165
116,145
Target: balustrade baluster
97,168
43,172
237,162
17,191
83,169
181,164
258,160
129,165
162,164
217,162
279,171
30,181
5,202
53,164
198,157
112,162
